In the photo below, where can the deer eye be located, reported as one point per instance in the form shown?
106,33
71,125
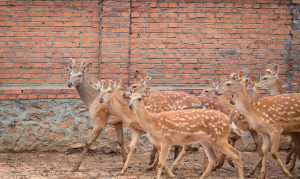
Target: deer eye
139,99
228,84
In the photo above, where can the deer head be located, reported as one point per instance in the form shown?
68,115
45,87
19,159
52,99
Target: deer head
232,85
141,86
212,88
137,97
270,78
76,75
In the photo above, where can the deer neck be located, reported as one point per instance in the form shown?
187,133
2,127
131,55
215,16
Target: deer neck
118,106
245,105
86,92
145,118
276,89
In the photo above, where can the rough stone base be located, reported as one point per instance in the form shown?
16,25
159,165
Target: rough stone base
56,125
47,125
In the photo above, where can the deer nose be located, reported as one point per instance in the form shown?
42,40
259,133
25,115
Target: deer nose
69,84
101,100
130,106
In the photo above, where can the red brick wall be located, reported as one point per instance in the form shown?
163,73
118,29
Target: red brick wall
188,43
183,43
37,40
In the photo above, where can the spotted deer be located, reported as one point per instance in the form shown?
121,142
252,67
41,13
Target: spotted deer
97,113
115,102
271,81
216,102
270,116
210,128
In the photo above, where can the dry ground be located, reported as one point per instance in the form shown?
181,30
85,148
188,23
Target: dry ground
106,166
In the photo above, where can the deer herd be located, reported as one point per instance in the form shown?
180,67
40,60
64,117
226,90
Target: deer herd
216,119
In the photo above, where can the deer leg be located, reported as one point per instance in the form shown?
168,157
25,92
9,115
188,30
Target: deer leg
132,145
290,154
163,154
222,158
235,156
220,162
211,160
177,151
232,142
262,153
119,130
179,157
292,162
275,138
95,133
152,155
256,140
294,152
154,164
264,149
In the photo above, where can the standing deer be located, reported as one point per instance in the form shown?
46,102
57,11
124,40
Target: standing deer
97,113
210,128
270,81
270,116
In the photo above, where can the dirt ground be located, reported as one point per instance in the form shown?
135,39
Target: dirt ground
106,166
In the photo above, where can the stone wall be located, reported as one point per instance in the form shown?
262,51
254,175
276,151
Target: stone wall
47,125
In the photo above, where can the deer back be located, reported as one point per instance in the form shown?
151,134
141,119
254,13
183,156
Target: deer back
194,121
282,111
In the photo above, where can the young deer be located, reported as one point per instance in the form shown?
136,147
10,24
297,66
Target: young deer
203,102
210,128
115,103
270,116
98,114
270,81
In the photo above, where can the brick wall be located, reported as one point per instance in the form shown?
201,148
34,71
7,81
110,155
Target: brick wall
183,43
37,40
294,60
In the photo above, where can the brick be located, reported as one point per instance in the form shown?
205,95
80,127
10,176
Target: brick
191,40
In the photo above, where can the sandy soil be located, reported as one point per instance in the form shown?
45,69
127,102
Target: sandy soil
107,166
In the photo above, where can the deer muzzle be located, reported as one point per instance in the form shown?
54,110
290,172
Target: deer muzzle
101,100
69,84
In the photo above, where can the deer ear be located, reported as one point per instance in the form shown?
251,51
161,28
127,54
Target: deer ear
235,76
72,64
253,80
84,66
241,75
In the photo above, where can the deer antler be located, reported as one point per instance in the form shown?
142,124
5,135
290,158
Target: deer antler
97,86
117,84
73,64
84,65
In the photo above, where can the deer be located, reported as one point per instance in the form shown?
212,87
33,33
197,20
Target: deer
97,113
210,128
100,116
114,100
191,101
271,81
270,116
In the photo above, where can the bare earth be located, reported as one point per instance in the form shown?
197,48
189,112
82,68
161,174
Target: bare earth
106,166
